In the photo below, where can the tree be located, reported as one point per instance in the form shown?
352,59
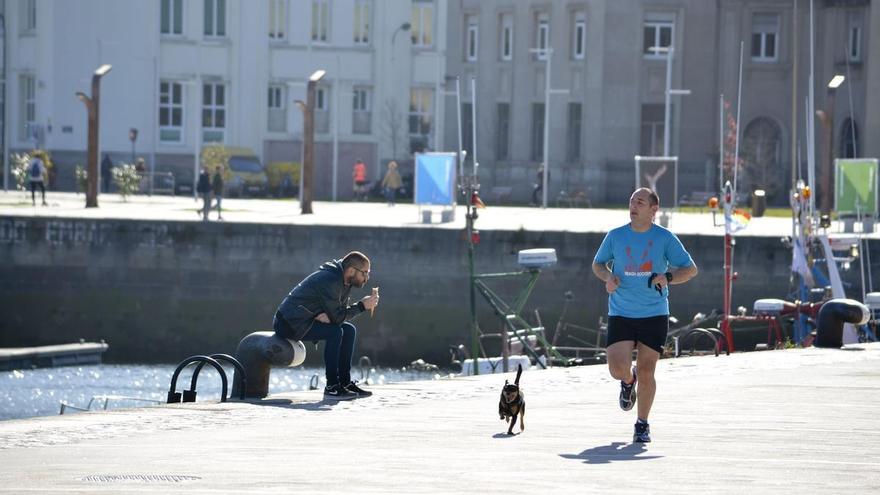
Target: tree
394,127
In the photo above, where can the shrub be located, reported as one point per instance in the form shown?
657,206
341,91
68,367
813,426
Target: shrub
127,180
82,178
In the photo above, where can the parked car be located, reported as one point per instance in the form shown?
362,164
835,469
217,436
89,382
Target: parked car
245,175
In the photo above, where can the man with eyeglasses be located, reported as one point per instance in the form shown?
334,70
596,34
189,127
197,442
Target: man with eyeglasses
318,309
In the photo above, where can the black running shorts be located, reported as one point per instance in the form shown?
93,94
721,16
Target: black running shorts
650,331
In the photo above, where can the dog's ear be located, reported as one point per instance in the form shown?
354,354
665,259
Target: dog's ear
505,383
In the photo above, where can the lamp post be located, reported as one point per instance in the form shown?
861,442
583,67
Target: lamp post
403,27
308,168
827,119
547,53
93,106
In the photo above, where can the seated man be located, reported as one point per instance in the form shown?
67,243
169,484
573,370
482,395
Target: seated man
317,309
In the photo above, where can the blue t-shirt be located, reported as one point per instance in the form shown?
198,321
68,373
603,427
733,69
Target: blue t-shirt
634,256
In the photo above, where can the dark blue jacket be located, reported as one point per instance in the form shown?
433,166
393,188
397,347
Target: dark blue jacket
324,291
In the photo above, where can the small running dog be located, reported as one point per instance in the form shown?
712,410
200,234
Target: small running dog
512,403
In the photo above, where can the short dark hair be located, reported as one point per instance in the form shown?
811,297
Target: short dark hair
652,195
355,259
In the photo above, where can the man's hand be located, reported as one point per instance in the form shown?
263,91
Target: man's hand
659,279
370,301
323,318
612,284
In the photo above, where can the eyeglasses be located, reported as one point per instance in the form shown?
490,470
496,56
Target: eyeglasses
365,272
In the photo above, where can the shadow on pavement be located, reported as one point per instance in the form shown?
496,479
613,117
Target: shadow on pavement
321,405
615,451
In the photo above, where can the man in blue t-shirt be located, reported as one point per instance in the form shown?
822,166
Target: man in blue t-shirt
637,262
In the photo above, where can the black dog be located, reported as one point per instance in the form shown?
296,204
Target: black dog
512,403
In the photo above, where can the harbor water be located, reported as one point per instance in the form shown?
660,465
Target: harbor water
41,392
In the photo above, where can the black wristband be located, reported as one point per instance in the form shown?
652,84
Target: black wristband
360,304
668,277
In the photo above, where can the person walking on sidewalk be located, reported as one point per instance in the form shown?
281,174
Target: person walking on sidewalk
318,309
217,187
36,176
391,182
359,180
204,189
637,262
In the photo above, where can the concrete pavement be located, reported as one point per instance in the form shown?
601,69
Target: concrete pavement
71,205
789,421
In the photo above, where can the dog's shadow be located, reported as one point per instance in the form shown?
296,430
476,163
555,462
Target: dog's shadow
615,451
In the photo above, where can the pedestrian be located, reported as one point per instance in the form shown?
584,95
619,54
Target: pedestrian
318,309
106,173
637,262
359,178
37,177
217,188
204,189
537,196
391,183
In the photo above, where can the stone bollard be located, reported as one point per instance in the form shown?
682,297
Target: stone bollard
258,353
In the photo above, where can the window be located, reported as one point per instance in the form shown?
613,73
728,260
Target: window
653,116
765,31
29,16
502,132
658,32
277,19
542,35
320,20
215,18
172,17
849,142
537,131
277,108
362,22
579,36
573,143
422,23
471,39
361,111
420,121
28,108
213,112
322,109
170,112
506,41
467,130
854,36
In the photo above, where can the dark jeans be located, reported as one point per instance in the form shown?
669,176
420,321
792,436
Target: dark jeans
206,205
390,194
34,185
338,348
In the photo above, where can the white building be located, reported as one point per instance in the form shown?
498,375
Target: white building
189,72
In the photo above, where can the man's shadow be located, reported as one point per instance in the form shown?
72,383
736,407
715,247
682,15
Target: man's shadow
615,451
321,405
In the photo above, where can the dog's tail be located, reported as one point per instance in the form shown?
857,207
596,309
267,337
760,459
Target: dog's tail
518,373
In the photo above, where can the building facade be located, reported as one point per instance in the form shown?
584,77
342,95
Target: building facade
608,89
189,73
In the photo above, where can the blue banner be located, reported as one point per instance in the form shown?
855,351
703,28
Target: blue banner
435,179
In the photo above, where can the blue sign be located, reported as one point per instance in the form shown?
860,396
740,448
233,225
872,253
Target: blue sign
435,179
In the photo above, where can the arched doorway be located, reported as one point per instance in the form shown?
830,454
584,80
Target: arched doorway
762,157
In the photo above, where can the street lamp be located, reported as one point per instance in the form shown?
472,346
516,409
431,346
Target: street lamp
308,110
547,53
403,27
93,106
827,118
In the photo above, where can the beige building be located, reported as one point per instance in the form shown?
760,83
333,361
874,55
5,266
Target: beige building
608,82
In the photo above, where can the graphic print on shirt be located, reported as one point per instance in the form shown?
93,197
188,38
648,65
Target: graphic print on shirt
643,268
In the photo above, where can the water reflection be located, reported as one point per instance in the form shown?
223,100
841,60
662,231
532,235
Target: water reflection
39,392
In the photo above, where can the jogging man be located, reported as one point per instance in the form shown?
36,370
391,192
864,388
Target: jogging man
637,262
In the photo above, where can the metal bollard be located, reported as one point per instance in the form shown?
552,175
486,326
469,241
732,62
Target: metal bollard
258,353
833,315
